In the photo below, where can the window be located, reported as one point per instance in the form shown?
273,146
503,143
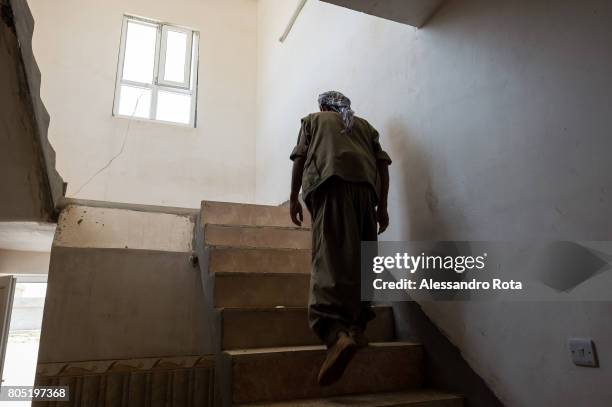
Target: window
28,299
157,72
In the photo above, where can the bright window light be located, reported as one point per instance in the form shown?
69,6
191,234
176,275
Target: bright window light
173,107
157,73
177,46
139,60
134,102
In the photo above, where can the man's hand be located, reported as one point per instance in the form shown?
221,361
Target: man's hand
295,209
382,217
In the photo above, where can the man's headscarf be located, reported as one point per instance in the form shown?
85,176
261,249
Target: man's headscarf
337,102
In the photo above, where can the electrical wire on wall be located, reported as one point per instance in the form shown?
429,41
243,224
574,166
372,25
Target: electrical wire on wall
124,142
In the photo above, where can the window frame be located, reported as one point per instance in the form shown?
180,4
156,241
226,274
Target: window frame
191,71
162,57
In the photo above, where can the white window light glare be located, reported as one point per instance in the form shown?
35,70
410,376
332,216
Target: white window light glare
157,72
139,60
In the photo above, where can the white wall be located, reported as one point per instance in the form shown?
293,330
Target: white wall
497,117
76,44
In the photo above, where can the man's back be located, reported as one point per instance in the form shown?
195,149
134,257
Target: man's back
332,150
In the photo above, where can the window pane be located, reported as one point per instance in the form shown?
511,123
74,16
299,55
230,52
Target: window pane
176,55
173,107
134,101
139,56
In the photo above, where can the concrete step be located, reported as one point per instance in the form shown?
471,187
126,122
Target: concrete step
258,260
274,374
412,398
260,290
269,327
227,213
257,236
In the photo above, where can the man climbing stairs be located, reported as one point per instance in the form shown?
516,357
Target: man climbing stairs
255,268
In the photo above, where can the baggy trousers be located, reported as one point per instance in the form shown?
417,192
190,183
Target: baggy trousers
343,214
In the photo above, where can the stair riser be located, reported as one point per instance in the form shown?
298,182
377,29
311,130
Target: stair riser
222,213
238,290
241,236
243,329
259,260
293,375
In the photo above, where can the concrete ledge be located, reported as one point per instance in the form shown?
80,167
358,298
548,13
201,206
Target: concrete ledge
412,12
65,202
101,227
120,304
27,236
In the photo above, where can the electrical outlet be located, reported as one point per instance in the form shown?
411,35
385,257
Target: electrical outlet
583,352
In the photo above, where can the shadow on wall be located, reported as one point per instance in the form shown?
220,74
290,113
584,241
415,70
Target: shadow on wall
414,184
421,214
509,141
420,217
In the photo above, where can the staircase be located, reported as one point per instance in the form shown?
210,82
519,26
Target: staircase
31,187
256,269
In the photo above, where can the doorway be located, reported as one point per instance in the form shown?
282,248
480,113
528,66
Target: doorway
24,332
